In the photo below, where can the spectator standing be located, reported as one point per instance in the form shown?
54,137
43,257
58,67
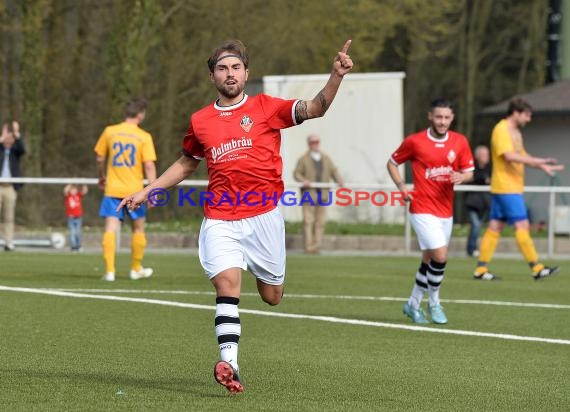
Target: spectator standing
73,200
315,166
478,203
13,148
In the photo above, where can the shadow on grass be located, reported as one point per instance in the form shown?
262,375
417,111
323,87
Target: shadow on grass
176,385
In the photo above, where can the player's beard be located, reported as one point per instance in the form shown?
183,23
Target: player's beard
230,91
437,133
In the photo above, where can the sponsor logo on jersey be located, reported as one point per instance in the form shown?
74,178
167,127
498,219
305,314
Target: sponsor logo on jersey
229,148
438,173
246,123
224,114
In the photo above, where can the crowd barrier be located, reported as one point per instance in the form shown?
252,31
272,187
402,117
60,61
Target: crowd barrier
552,191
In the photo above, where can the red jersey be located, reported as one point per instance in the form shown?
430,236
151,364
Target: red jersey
432,162
241,144
74,205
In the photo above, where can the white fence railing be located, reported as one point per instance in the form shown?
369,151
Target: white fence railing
552,191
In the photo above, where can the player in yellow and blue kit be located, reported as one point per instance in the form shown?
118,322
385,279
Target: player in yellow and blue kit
507,184
128,152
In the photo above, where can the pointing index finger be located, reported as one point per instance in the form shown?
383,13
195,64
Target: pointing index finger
346,46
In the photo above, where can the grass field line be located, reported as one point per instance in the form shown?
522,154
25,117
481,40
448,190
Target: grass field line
313,296
330,319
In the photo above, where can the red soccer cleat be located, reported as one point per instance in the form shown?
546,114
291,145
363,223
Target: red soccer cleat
227,376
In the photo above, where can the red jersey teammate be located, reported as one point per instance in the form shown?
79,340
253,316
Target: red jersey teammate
239,136
440,159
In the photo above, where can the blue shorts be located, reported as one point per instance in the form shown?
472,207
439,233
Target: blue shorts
509,208
109,206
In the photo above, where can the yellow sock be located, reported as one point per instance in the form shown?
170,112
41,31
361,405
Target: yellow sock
488,245
109,251
138,243
537,267
526,246
481,270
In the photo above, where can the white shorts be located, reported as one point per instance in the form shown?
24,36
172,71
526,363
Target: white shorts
256,244
433,232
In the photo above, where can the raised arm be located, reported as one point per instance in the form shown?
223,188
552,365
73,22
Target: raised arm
317,107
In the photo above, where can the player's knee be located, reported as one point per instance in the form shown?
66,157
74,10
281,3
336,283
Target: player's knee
273,298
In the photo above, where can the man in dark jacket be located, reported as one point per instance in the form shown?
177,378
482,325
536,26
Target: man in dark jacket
11,149
478,203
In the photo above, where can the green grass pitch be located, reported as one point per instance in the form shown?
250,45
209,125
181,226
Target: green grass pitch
348,348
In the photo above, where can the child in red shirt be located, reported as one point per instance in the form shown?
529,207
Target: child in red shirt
73,199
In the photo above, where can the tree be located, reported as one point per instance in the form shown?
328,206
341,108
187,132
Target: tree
67,66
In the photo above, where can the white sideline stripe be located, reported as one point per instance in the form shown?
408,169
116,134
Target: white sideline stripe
331,319
310,296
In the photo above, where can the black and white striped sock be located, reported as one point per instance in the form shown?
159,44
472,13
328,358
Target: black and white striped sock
228,328
435,274
420,287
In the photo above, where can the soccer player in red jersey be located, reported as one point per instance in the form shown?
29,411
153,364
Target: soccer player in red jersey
239,136
440,159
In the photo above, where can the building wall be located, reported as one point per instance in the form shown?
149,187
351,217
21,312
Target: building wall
547,137
361,129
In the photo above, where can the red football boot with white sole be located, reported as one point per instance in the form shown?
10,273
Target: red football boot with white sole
227,376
